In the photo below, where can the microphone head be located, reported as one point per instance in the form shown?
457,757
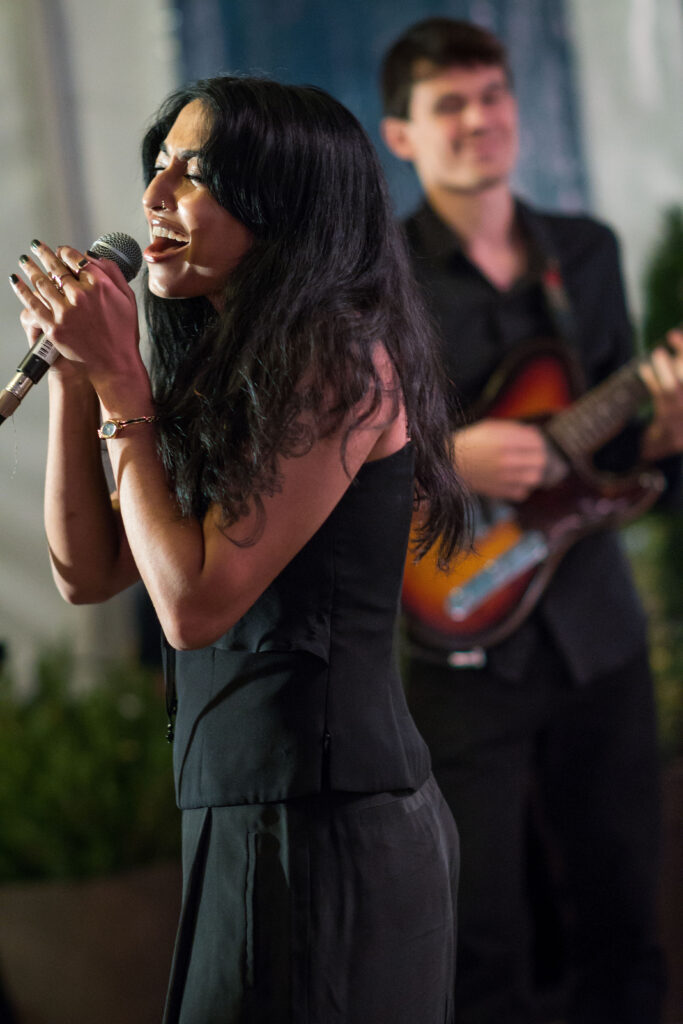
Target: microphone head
123,250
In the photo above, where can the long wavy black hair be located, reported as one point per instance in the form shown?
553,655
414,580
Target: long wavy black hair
326,279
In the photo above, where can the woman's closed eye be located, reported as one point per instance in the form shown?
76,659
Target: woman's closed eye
191,173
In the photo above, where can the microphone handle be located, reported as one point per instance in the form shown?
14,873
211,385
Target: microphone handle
33,366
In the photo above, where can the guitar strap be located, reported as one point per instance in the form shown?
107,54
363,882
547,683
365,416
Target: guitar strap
557,300
554,291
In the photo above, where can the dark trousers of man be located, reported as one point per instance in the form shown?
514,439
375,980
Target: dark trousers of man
589,756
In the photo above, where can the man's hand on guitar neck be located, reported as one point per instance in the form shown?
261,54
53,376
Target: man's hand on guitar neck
663,376
505,459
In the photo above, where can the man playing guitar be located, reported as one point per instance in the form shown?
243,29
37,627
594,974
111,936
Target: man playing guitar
558,712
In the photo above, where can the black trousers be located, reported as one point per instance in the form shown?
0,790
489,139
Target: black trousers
337,909
586,756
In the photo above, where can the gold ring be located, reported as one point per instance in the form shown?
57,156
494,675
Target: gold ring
58,281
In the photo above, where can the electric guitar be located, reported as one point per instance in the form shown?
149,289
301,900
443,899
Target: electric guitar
490,590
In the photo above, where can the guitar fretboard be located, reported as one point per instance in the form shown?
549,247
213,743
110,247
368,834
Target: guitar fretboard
601,414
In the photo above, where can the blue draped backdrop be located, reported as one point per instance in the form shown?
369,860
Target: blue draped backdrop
338,45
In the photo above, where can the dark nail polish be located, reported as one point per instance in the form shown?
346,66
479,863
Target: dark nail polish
82,263
23,259
14,279
92,255
35,244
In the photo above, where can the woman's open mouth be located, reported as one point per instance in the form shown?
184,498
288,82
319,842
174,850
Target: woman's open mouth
166,243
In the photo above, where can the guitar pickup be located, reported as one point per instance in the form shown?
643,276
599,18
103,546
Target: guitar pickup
529,551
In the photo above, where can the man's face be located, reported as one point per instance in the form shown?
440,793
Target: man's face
461,132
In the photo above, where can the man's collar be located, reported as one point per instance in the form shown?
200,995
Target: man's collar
437,239
434,236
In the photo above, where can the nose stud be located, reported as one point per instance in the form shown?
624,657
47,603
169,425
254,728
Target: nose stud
163,204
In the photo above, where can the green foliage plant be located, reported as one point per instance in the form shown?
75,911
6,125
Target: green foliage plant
656,554
85,778
655,544
664,280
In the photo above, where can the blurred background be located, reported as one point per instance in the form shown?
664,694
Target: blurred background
85,790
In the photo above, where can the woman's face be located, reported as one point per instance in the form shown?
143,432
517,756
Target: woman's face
195,242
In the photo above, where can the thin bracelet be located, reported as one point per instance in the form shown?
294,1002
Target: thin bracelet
112,428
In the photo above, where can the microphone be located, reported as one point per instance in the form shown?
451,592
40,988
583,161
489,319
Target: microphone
125,252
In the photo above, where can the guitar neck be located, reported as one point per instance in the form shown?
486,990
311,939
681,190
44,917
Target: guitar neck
601,414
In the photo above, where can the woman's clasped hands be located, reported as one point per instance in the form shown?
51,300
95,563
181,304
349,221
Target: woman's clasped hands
83,305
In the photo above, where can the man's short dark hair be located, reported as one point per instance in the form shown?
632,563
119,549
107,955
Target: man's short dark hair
434,45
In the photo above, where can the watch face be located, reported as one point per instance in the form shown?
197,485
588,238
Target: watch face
108,428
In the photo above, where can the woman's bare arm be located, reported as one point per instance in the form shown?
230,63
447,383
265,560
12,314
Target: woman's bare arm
199,580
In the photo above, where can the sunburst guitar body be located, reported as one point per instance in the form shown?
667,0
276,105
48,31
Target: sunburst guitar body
491,589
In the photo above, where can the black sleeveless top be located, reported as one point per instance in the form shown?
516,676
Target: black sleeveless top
303,693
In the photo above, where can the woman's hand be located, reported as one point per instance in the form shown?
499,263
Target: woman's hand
31,318
85,307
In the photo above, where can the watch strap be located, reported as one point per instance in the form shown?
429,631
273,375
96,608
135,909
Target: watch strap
112,428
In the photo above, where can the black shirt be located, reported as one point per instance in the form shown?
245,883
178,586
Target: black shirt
591,608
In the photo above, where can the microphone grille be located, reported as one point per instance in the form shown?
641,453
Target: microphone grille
123,250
